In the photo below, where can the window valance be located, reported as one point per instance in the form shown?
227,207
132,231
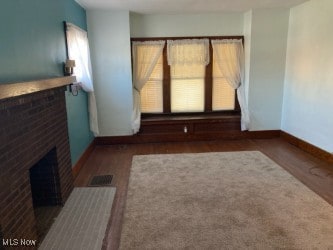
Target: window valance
188,52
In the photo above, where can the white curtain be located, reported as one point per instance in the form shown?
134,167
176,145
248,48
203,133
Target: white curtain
78,50
230,60
145,56
180,53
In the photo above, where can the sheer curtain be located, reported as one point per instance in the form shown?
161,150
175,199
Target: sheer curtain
230,60
188,59
179,51
145,56
78,50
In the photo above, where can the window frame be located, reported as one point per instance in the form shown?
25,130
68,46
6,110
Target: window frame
208,80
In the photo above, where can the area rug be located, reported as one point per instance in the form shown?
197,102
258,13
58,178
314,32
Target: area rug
82,221
229,200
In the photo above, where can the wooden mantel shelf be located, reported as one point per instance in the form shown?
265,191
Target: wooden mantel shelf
23,88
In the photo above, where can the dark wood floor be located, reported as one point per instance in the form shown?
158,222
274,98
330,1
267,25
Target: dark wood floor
116,160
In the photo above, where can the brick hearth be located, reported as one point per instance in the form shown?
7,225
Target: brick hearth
31,126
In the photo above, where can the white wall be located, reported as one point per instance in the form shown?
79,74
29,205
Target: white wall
265,34
109,37
186,25
308,97
265,46
266,66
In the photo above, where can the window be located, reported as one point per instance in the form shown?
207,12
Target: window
152,92
223,93
187,87
78,49
187,59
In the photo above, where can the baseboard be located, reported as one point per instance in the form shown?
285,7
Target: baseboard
307,147
84,157
156,138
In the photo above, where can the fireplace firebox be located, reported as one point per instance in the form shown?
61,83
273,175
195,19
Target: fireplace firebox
44,181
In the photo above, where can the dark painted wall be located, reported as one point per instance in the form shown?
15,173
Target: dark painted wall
32,46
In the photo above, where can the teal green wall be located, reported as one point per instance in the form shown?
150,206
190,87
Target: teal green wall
32,46
31,39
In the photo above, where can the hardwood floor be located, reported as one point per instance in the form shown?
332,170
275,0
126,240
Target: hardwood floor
116,160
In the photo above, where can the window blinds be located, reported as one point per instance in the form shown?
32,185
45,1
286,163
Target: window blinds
223,93
152,92
187,60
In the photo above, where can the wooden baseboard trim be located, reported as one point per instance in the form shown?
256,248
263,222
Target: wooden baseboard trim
156,138
263,134
307,147
84,157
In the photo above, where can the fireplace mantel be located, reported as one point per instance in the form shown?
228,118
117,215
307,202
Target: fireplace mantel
33,125
23,88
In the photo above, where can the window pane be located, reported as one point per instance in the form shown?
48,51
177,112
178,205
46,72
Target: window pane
223,94
152,97
152,92
187,73
187,88
187,95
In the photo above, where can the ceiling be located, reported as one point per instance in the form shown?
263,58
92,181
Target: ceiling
186,6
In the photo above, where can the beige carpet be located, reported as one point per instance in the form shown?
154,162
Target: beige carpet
234,200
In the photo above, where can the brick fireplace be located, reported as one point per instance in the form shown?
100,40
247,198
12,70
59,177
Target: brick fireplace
35,165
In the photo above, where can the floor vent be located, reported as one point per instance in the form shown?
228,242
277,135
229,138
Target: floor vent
101,180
